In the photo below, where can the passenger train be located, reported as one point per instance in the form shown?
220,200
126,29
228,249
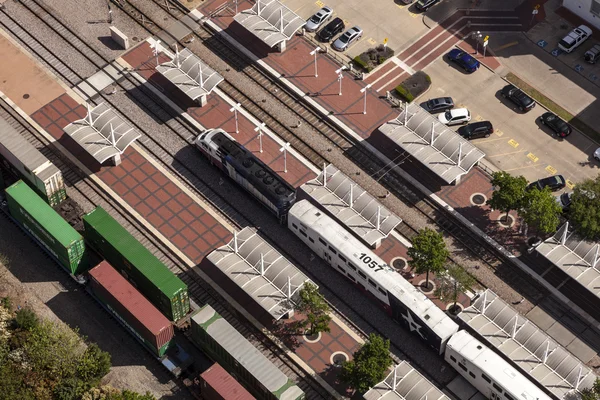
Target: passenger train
482,367
247,170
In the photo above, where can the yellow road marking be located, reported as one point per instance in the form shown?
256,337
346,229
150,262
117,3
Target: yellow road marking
492,140
479,118
399,6
346,22
505,154
319,3
413,15
527,166
513,143
498,132
370,40
570,184
532,157
505,46
551,169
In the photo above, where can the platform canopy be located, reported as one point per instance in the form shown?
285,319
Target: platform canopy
435,145
353,206
192,76
102,133
579,258
405,383
528,346
261,271
270,21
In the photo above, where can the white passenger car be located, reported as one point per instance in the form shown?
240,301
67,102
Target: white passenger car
455,116
574,38
489,373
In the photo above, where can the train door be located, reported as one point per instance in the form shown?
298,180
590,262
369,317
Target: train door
495,396
327,256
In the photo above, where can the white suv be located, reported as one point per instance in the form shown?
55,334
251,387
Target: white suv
574,38
455,116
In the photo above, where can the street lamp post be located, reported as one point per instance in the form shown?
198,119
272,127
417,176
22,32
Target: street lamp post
364,90
283,149
477,39
340,73
314,53
259,129
234,111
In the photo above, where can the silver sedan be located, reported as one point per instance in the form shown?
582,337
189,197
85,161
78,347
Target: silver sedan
347,38
317,20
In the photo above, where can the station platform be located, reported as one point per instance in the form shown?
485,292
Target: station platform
145,189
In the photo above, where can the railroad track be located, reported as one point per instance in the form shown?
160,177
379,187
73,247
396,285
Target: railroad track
200,291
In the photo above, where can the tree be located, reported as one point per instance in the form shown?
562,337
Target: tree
593,393
584,211
368,365
313,305
453,281
428,253
93,365
509,192
541,210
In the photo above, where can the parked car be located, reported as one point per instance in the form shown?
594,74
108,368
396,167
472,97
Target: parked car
318,19
424,5
331,29
476,130
552,121
464,60
597,154
555,183
574,38
455,116
517,96
438,105
347,38
564,200
592,54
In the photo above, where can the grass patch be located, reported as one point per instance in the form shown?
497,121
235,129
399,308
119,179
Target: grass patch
413,86
555,108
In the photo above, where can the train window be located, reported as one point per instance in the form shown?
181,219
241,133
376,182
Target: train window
351,278
342,269
332,250
352,266
302,233
485,378
362,274
462,367
498,388
322,242
452,358
372,283
472,375
311,239
295,226
342,257
383,292
508,396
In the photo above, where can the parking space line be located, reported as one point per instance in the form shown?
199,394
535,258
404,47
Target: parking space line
532,157
570,184
478,118
504,154
498,132
551,169
525,167
490,140
513,143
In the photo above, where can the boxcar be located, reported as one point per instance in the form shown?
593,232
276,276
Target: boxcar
26,161
221,341
217,384
132,309
49,228
136,263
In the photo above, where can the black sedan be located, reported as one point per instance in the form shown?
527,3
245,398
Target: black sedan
438,105
560,127
517,96
556,182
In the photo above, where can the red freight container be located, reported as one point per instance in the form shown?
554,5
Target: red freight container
217,384
132,309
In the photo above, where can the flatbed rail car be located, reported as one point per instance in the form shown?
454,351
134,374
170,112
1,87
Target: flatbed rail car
48,228
133,311
223,343
136,263
21,157
248,171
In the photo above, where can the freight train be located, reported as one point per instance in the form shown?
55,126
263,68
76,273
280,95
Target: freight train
482,367
248,171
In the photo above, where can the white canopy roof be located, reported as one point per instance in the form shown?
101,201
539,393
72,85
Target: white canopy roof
102,133
435,145
270,21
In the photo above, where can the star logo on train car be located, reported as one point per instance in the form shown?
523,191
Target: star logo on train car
414,327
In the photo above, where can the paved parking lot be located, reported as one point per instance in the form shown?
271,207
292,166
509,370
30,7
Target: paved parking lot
387,20
520,145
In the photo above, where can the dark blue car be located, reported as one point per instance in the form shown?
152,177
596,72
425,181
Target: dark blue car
465,60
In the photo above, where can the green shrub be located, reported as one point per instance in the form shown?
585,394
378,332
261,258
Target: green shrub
404,93
381,60
427,78
7,303
26,319
358,60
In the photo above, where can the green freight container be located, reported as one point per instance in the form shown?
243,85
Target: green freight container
48,227
136,263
